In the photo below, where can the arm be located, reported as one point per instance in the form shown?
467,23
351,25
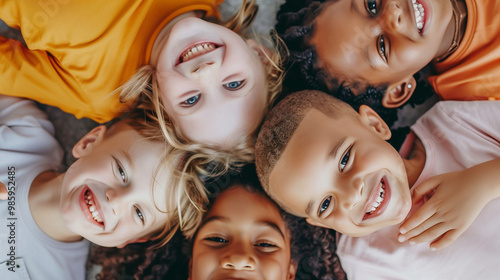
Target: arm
457,198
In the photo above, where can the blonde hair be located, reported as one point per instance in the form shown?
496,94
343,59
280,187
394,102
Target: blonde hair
200,160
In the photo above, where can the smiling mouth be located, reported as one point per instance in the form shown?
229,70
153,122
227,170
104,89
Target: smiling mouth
197,50
378,201
91,205
419,11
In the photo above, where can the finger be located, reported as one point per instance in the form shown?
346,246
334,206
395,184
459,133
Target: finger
420,216
431,234
424,188
3,192
446,240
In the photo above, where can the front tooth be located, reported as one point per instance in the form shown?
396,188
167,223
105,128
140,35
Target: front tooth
92,208
420,25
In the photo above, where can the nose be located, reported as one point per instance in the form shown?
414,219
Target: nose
115,200
391,17
241,259
352,194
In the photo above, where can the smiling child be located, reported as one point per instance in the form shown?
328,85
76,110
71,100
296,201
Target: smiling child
117,192
319,159
372,49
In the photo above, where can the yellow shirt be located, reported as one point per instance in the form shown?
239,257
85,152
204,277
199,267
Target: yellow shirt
80,51
472,72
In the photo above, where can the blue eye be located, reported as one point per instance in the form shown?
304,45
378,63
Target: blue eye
371,7
121,172
234,85
345,159
324,205
190,101
139,214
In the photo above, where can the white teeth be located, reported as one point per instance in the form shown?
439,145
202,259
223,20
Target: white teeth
419,14
377,201
92,209
197,50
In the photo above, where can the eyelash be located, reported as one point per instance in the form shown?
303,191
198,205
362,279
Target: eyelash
345,159
191,101
322,207
139,214
121,172
371,5
239,85
381,47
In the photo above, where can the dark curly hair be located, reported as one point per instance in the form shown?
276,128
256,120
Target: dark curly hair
313,248
295,27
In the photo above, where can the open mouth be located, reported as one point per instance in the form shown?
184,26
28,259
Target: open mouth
196,50
419,11
378,200
92,206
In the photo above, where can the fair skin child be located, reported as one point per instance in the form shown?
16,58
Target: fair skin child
207,72
110,196
350,165
243,236
383,43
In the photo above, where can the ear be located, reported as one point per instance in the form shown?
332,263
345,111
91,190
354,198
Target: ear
397,94
316,223
138,240
87,142
264,53
292,270
371,119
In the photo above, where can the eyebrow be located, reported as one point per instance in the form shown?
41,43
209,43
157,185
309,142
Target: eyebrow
262,222
332,154
271,225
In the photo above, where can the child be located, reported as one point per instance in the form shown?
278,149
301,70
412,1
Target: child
79,52
114,194
375,47
321,160
243,235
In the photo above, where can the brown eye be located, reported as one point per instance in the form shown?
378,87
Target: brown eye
371,7
381,47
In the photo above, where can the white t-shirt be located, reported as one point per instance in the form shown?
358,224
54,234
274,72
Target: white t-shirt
28,148
456,135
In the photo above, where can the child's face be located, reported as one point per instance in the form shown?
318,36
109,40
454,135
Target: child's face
377,41
111,195
333,172
212,82
243,236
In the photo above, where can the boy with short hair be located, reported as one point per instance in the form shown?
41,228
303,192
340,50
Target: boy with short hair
320,160
114,194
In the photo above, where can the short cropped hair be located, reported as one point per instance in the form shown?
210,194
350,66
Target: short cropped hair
283,120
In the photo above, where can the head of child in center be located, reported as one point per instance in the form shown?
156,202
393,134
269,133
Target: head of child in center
319,159
244,236
213,84
116,191
382,44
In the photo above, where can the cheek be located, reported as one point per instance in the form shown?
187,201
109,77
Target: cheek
275,267
204,263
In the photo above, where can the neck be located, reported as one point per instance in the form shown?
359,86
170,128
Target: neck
44,203
415,163
455,30
162,38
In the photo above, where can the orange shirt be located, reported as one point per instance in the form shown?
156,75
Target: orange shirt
472,72
80,51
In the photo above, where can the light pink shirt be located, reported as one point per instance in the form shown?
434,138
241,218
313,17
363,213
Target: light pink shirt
456,135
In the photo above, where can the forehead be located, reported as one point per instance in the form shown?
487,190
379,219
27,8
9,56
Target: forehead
340,39
305,161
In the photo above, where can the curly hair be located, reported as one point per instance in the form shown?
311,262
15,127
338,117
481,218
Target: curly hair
295,26
313,248
198,156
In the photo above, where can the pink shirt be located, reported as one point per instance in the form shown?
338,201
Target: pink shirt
456,135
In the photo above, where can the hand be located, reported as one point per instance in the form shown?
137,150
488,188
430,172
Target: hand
457,200
3,192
